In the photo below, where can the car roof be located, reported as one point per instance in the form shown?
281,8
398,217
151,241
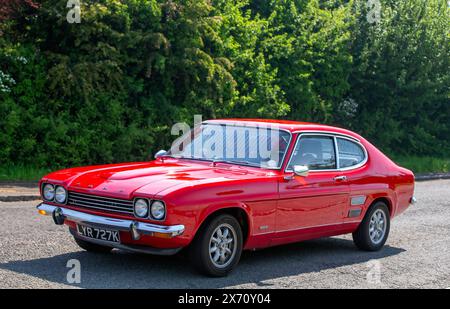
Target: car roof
288,125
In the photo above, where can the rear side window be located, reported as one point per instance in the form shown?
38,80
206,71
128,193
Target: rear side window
350,153
316,152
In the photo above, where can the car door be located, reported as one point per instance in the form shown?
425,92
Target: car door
317,201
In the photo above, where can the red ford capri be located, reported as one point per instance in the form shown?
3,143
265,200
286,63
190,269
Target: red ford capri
232,185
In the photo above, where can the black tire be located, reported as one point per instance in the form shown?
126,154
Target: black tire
362,238
199,250
90,247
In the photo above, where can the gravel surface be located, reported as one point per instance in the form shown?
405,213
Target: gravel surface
34,253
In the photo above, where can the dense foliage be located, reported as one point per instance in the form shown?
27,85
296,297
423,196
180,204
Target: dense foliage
12,9
109,88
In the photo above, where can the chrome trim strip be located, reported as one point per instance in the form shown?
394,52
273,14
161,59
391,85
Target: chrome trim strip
309,227
77,204
357,142
322,225
90,201
295,146
113,223
99,203
329,133
100,196
336,150
96,200
335,136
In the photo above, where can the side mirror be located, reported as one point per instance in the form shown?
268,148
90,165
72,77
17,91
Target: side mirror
160,153
301,170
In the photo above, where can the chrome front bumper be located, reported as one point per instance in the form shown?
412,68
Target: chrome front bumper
60,214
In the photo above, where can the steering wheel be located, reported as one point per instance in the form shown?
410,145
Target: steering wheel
309,154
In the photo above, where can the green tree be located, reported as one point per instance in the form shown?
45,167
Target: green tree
307,43
400,79
257,93
109,88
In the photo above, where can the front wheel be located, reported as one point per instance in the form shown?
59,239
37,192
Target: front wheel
217,248
373,231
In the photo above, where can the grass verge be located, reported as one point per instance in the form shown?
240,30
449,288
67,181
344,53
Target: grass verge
421,165
21,173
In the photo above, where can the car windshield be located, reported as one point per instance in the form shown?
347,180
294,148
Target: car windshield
261,146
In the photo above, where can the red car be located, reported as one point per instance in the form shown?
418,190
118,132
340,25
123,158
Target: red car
232,185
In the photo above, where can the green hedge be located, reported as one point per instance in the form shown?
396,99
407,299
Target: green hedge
110,88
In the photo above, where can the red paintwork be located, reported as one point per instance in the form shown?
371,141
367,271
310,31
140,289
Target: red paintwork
299,209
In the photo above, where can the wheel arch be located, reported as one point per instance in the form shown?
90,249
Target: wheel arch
238,211
386,200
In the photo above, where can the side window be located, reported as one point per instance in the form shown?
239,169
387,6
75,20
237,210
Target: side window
350,153
316,152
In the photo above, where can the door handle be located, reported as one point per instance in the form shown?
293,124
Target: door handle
340,178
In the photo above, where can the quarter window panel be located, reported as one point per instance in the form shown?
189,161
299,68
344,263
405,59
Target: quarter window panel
350,153
316,152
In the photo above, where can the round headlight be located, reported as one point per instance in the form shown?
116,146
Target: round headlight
60,195
141,208
49,192
158,210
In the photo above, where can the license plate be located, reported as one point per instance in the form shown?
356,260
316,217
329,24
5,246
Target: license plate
95,233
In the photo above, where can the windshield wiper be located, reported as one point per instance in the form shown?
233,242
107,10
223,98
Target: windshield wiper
215,161
192,158
234,162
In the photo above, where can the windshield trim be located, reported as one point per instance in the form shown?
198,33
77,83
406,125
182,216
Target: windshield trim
278,168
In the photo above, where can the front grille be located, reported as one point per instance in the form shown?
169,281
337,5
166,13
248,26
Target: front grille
100,203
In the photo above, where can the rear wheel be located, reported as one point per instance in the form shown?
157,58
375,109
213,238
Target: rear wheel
373,231
217,248
90,247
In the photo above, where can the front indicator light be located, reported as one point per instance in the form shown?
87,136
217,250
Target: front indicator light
162,235
42,212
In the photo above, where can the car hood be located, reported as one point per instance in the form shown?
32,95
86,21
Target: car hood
149,178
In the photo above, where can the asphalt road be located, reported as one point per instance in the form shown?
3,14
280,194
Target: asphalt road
34,254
